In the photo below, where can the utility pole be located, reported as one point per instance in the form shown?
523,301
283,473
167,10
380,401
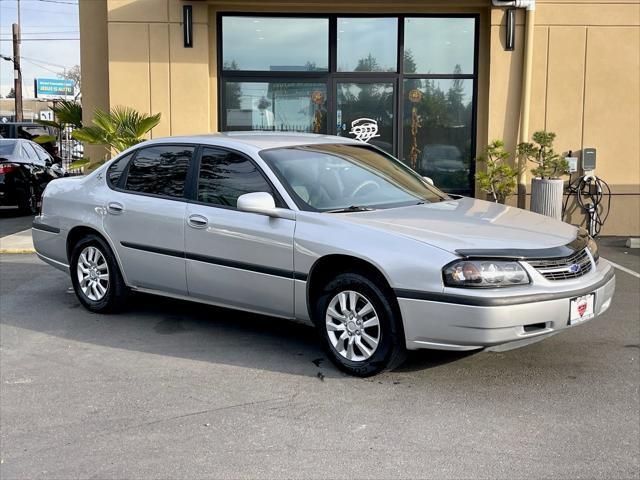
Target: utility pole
17,72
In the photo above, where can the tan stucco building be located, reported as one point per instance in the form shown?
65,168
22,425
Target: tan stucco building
436,76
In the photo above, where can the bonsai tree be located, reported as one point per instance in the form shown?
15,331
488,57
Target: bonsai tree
550,164
117,129
499,180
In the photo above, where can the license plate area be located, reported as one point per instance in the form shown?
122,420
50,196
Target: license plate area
582,308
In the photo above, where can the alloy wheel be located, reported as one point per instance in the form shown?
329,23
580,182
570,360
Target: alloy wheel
93,273
352,326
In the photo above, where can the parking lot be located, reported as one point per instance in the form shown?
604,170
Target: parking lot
176,390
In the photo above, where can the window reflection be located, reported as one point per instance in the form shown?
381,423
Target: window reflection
160,170
437,134
225,176
279,106
439,45
275,43
367,44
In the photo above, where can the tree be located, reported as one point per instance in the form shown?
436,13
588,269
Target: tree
12,93
117,129
550,164
73,74
499,180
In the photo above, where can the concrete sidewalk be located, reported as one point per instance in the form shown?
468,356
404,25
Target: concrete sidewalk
20,242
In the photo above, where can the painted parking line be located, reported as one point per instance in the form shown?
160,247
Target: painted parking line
624,269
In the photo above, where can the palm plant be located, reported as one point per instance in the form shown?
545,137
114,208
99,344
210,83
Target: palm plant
66,113
117,129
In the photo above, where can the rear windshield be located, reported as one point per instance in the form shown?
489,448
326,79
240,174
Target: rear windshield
6,148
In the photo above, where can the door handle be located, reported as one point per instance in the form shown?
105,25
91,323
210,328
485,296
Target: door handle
197,221
115,208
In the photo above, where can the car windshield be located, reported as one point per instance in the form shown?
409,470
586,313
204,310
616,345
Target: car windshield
339,177
7,147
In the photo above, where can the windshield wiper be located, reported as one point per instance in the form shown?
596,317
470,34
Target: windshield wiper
352,208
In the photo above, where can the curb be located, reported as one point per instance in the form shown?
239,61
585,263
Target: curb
17,250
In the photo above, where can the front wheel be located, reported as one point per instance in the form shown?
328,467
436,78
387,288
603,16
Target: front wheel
96,277
358,324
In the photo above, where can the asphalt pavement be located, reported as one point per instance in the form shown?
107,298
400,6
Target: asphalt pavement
12,221
169,389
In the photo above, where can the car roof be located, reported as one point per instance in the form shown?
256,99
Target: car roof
258,140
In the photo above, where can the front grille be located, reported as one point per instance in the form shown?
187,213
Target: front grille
574,266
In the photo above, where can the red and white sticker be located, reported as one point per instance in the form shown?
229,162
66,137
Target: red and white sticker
582,308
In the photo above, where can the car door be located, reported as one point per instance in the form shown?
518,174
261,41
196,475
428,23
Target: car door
237,258
146,209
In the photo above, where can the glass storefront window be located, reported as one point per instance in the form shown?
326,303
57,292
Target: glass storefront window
439,45
437,130
276,106
338,75
367,44
365,112
275,44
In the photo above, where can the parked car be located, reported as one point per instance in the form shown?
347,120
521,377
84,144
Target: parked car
31,131
323,229
25,170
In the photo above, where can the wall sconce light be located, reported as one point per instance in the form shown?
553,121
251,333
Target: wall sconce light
510,40
187,25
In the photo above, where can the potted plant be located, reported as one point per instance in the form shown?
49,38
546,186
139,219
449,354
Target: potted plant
499,179
547,185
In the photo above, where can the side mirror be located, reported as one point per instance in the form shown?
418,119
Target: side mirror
428,180
263,203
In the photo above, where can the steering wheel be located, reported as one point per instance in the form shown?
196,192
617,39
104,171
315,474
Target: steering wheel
364,185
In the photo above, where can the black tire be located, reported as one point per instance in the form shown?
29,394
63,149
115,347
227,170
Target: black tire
28,201
116,292
391,349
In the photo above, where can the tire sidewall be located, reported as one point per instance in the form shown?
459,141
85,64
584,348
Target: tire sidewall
384,310
108,302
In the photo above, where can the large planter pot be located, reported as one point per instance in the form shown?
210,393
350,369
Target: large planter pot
546,197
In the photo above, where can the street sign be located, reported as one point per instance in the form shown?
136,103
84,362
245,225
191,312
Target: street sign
53,88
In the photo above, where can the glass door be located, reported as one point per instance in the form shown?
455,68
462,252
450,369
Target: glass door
365,110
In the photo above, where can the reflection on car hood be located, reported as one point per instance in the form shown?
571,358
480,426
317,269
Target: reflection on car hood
469,223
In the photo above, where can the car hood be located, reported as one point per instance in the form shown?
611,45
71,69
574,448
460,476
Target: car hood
469,223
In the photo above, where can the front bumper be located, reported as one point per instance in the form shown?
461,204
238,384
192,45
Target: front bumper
505,322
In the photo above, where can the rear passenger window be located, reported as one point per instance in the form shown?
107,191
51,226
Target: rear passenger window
114,172
225,175
160,170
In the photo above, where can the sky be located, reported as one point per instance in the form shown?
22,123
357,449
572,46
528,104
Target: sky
50,40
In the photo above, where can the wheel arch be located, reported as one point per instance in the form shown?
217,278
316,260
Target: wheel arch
328,266
80,231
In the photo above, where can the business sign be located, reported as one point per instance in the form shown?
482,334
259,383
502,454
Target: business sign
53,87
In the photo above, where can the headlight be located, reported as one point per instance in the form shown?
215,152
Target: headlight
484,274
593,249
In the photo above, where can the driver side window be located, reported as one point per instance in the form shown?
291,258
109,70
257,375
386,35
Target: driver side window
224,176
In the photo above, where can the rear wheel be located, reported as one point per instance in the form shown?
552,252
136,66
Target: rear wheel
28,201
96,277
359,326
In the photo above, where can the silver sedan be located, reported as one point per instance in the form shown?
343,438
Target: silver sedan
322,229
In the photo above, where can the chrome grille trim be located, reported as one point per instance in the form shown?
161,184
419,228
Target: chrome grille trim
573,266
